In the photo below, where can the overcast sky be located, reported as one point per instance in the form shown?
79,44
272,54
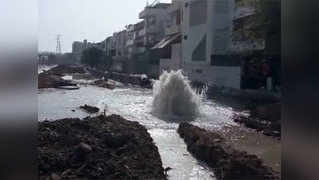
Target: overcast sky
76,20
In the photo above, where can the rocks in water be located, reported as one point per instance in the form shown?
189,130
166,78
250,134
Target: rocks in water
226,162
90,109
135,79
97,148
105,84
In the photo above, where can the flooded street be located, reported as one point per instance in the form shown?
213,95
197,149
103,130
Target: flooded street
135,104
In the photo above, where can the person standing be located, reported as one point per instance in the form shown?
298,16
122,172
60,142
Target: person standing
267,75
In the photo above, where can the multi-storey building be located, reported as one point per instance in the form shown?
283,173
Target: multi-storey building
78,47
246,36
206,42
156,20
109,46
135,39
170,46
139,35
120,39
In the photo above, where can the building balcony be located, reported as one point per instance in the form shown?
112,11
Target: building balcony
176,5
152,29
130,42
173,29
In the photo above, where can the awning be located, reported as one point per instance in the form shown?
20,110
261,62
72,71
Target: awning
167,41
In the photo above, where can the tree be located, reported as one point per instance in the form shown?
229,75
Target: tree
92,56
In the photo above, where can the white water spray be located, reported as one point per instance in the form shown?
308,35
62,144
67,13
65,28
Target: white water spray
173,96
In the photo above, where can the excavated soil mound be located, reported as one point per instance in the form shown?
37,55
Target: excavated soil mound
97,148
226,162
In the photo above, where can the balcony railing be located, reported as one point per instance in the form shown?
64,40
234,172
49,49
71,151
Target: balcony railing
129,42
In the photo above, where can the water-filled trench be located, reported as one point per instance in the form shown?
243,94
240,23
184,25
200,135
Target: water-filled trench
146,107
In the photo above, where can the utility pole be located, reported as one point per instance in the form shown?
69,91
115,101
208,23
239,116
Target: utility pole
58,45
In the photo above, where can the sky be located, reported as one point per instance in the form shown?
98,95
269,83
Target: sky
76,20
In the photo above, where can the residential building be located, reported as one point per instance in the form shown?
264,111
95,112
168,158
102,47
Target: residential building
170,46
247,36
256,38
135,39
206,42
130,40
120,39
110,46
139,35
156,20
77,47
118,50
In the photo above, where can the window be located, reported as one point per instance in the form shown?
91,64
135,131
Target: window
199,53
198,12
225,60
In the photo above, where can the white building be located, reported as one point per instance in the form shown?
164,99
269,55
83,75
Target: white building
171,46
206,42
156,20
135,39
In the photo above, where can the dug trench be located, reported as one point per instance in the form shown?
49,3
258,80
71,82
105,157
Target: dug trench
102,147
227,162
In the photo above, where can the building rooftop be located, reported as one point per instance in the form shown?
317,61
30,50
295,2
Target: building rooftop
160,5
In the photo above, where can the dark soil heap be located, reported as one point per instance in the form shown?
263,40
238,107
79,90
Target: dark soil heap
104,84
265,118
90,109
67,69
53,77
97,148
47,80
227,163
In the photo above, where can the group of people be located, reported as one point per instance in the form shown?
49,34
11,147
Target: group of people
257,74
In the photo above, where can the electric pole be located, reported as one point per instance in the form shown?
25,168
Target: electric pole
58,45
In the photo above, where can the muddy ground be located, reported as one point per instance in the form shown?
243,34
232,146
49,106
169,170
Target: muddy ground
97,148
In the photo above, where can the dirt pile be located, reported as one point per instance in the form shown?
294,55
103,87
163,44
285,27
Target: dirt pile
97,148
90,109
265,118
105,84
48,80
67,69
140,80
53,77
227,163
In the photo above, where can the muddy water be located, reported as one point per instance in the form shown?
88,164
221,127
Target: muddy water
136,104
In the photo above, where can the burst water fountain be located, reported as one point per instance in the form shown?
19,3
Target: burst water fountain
174,97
